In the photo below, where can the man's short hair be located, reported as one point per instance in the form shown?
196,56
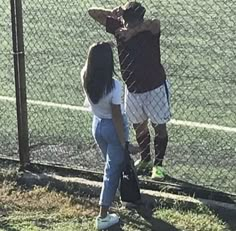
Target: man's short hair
133,11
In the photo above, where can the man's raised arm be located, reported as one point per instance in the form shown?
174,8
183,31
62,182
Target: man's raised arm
152,25
100,14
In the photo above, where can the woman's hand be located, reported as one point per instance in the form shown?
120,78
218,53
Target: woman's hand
133,149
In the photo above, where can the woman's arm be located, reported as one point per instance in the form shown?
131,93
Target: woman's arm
118,122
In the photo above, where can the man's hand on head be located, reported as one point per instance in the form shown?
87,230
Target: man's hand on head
117,12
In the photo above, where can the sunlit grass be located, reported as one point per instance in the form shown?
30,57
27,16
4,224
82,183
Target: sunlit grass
43,209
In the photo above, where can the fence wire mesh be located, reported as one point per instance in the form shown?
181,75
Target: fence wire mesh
8,121
197,51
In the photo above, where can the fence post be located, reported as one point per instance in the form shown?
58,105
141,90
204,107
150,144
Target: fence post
20,81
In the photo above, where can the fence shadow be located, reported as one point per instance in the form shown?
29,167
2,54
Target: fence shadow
228,217
176,186
202,192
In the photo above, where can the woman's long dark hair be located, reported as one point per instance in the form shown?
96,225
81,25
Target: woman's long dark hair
99,71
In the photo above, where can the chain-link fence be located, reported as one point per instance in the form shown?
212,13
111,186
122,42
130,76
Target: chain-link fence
8,121
197,51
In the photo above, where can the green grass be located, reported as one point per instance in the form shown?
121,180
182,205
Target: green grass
197,46
45,209
185,220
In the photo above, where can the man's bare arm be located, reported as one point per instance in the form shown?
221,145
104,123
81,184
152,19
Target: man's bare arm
152,25
100,14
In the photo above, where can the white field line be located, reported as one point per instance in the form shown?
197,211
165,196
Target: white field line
79,108
202,125
47,104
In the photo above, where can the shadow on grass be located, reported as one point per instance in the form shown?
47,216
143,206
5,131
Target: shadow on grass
117,227
176,186
145,210
150,224
227,216
3,221
5,226
224,214
145,220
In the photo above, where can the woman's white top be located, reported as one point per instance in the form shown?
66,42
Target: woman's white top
103,108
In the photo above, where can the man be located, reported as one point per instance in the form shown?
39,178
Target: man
147,96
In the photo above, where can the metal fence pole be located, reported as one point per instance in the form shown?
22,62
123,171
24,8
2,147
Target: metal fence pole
20,81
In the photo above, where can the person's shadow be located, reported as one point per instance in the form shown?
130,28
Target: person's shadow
145,210
117,227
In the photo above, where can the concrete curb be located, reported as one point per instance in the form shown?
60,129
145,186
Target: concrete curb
81,186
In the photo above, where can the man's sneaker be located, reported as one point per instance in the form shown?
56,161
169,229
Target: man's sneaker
158,173
108,221
143,167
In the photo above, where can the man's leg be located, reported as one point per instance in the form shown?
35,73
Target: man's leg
139,119
158,110
143,139
160,143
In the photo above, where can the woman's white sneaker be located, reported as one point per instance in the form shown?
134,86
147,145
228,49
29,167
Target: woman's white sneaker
108,221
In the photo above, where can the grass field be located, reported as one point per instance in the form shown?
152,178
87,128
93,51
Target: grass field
40,208
197,44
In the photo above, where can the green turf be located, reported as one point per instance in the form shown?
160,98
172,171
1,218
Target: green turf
198,52
198,156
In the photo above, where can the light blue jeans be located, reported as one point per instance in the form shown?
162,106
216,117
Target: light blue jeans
105,135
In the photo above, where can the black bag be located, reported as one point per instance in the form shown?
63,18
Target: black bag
129,185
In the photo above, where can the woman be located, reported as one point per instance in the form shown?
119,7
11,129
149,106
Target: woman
109,125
